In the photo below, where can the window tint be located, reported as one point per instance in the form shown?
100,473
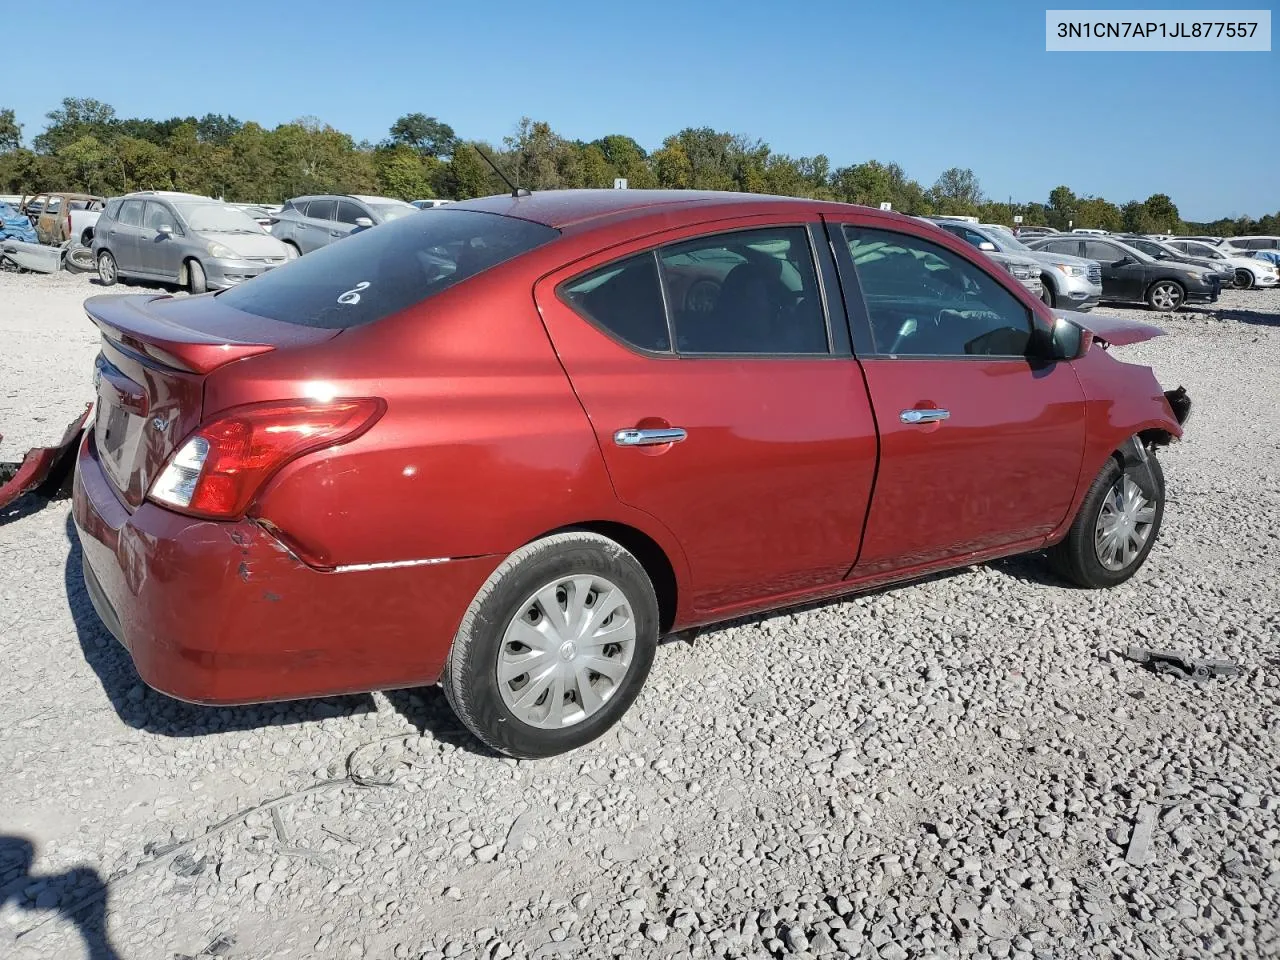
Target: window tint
925,301
113,209
156,215
1102,252
131,213
320,209
348,212
749,292
1248,244
626,300
375,273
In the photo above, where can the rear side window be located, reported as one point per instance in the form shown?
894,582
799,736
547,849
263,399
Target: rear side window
749,292
113,209
320,209
625,298
375,273
1102,252
131,213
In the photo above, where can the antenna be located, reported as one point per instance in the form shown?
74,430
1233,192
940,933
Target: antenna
515,191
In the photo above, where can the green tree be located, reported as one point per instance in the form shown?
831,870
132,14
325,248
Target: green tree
1099,214
957,191
1163,213
467,175
78,117
427,135
595,168
401,173
86,165
10,131
1062,208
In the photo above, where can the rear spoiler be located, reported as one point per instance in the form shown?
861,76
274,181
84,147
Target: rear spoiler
126,321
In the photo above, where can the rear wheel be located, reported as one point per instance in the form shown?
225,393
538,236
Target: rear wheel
107,271
1166,295
555,647
1244,279
1114,530
196,281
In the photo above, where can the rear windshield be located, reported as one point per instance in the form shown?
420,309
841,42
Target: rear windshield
375,273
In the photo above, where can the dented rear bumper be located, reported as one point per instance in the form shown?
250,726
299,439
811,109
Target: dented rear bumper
223,613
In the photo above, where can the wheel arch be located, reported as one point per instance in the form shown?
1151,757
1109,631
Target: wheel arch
645,549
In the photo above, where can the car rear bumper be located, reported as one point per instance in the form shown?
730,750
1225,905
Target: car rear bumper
224,613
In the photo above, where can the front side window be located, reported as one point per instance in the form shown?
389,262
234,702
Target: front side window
1102,252
156,216
131,213
375,273
742,293
349,212
924,301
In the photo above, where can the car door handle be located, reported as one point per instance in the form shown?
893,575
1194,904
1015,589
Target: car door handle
648,438
923,416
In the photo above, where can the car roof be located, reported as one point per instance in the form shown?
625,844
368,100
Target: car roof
563,209
368,199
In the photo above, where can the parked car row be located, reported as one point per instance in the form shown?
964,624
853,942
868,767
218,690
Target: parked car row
552,428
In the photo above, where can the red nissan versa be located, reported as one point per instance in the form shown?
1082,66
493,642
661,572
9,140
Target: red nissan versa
507,444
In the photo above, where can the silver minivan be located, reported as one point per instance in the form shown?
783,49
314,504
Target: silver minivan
195,242
309,223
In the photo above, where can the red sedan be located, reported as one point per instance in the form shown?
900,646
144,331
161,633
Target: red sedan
508,445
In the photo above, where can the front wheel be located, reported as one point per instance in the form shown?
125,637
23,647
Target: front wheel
555,647
1115,528
196,281
1046,295
1244,279
1167,295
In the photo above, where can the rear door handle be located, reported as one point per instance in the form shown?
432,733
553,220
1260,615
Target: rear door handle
923,416
648,438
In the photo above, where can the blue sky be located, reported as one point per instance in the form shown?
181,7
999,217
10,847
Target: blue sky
928,85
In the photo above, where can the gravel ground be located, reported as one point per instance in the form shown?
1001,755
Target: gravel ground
961,767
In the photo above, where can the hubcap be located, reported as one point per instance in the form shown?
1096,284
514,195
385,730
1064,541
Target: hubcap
1166,297
566,651
1124,524
106,268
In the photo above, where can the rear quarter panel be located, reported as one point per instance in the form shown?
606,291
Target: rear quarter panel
483,446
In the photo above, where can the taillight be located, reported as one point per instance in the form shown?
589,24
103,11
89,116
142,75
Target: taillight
220,469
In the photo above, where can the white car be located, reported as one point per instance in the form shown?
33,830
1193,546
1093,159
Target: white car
1249,271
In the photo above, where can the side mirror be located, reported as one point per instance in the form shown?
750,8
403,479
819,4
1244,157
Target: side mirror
165,229
988,246
1124,261
1068,341
363,222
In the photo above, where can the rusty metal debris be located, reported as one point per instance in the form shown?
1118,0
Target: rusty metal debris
43,469
1180,664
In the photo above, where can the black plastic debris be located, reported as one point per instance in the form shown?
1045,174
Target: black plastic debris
1179,664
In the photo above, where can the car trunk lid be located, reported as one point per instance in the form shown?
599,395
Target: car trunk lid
149,377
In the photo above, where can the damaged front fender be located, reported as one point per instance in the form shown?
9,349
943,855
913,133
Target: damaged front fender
43,470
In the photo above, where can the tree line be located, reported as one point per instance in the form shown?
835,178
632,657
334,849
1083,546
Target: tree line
85,146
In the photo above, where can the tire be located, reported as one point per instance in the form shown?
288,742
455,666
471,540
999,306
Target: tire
108,272
80,260
1244,279
196,280
1046,295
1166,296
545,575
1078,558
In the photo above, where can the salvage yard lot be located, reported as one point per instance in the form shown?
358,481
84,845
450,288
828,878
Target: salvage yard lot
954,767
